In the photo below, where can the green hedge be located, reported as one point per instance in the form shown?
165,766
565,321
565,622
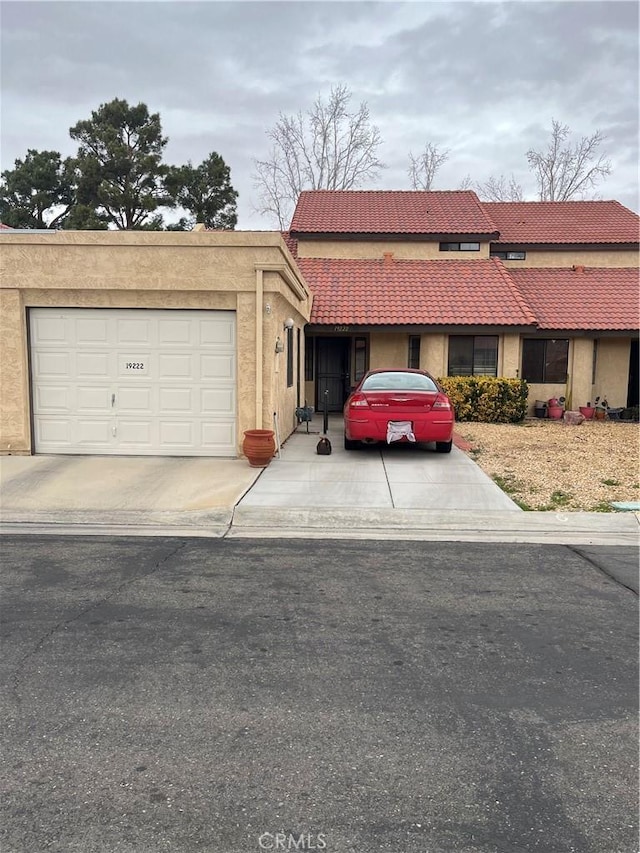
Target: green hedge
487,399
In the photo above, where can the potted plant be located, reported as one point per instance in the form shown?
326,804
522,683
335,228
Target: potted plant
555,408
587,411
600,410
259,446
540,409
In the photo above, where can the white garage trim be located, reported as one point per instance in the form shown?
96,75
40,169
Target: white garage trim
122,381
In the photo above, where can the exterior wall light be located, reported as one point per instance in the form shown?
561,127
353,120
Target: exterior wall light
288,323
279,345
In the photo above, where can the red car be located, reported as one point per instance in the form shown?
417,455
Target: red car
398,405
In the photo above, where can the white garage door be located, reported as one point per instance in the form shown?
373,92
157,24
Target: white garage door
134,382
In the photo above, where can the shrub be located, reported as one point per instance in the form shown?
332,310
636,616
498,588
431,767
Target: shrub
488,399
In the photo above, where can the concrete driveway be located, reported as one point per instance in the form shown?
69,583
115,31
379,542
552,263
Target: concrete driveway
398,476
401,491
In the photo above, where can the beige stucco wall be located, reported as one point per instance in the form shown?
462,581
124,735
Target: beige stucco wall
388,350
569,257
418,250
433,354
198,270
580,370
612,370
509,356
428,250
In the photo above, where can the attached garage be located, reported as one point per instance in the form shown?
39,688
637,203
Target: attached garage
120,381
147,343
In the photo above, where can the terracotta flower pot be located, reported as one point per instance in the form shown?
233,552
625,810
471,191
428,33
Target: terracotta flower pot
555,412
599,414
587,411
259,446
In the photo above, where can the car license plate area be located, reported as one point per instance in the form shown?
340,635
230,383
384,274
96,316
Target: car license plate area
400,431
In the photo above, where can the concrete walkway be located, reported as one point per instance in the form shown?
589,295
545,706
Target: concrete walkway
397,492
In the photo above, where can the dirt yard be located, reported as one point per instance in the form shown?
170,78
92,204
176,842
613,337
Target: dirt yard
547,465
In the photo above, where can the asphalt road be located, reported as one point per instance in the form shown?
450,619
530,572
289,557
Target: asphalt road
235,696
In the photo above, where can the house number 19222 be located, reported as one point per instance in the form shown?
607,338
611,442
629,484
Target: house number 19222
341,328
135,365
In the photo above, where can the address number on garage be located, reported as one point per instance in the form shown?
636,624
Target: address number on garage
134,365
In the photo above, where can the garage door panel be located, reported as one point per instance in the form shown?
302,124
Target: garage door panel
92,398
48,399
49,364
134,331
176,400
176,434
219,331
175,332
53,431
218,435
94,432
135,432
217,367
92,331
96,364
176,366
118,381
136,399
51,330
218,401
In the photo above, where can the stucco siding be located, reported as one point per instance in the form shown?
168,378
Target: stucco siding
389,350
14,382
612,370
433,358
570,257
364,249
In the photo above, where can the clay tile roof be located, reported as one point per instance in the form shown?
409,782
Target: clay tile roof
563,222
582,298
413,292
390,212
291,243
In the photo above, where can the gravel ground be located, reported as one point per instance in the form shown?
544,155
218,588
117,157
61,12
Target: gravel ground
547,465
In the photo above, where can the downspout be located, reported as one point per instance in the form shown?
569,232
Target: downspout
259,344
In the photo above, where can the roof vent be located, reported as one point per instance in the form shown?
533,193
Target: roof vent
387,258
578,268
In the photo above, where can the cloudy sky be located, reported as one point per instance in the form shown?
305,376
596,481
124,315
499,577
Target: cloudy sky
481,79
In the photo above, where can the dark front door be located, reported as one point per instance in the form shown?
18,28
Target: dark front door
332,373
633,391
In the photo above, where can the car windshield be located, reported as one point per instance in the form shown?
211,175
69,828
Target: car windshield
398,381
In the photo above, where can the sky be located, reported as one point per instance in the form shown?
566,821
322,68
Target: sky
483,80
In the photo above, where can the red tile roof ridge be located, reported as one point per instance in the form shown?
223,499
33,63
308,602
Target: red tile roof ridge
514,287
569,201
389,192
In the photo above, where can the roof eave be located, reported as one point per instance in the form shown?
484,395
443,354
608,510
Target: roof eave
482,236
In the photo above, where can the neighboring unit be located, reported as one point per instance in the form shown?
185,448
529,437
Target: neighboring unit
546,291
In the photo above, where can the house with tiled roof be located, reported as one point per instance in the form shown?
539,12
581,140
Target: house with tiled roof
169,343
546,291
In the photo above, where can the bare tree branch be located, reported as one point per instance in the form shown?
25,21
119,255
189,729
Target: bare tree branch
565,171
466,183
422,169
329,148
499,189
